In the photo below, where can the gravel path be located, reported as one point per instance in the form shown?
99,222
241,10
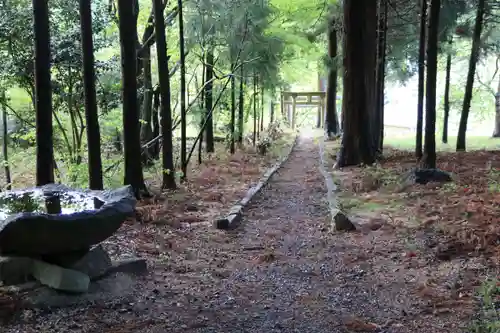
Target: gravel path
281,271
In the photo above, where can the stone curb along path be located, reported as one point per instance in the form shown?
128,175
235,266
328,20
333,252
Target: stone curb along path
233,218
339,220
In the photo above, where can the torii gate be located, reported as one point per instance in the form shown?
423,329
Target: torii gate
300,99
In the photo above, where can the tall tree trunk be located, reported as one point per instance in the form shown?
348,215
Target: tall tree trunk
147,107
421,79
155,147
429,156
202,116
131,135
446,103
254,136
262,109
496,132
209,129
241,105
5,144
381,51
359,51
232,148
332,123
165,107
91,116
271,110
474,55
43,95
183,92
318,117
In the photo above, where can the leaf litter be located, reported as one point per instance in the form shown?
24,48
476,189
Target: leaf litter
283,271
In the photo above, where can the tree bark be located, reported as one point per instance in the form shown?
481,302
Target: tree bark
232,122
155,147
421,79
474,55
147,107
332,122
262,110
43,95
131,135
91,115
381,54
271,111
359,51
254,136
209,129
429,156
446,103
165,106
182,92
241,105
496,132
5,144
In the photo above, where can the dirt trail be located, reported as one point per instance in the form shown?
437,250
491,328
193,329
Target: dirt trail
281,271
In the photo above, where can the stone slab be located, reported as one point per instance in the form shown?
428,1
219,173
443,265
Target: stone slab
60,278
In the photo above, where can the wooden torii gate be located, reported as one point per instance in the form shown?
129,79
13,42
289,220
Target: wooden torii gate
292,100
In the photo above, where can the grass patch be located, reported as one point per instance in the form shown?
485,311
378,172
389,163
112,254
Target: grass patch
407,142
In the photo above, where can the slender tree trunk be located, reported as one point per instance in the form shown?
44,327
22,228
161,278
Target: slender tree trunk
429,156
381,52
474,55
43,95
332,123
447,93
241,105
131,135
93,132
147,107
254,136
262,110
5,144
359,51
232,148
209,129
183,92
165,106
421,79
496,132
155,148
202,116
271,111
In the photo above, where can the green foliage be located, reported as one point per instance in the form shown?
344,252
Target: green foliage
489,317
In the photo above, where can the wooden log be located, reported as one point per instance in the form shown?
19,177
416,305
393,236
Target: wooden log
339,219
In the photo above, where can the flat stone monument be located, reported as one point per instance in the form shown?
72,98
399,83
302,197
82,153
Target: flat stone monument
50,236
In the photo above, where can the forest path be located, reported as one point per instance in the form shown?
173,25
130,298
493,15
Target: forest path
282,270
286,272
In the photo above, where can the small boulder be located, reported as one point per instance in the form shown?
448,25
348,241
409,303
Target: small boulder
60,278
95,263
342,222
424,176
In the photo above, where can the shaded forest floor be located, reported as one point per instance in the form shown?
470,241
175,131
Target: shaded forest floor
283,270
451,230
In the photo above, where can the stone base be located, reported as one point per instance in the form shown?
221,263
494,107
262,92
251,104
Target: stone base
112,289
75,278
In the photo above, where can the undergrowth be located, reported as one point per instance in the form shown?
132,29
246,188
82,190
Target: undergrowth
488,320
